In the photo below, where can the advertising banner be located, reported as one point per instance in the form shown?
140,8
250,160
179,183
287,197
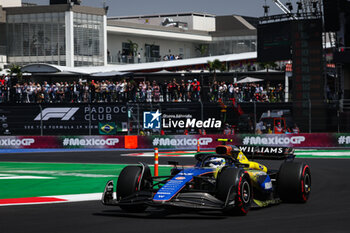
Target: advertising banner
176,118
109,118
60,119
321,140
23,142
181,141
317,140
94,142
290,140
59,142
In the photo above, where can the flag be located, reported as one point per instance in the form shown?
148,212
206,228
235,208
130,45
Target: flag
107,128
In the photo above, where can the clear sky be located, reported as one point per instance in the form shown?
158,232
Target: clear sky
145,7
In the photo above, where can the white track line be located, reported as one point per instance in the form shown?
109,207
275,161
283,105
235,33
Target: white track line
62,199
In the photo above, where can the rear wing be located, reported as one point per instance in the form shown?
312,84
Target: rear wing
267,152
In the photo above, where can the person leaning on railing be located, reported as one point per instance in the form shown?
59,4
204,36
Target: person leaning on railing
104,91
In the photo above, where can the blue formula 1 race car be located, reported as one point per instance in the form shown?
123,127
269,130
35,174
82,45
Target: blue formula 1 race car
227,180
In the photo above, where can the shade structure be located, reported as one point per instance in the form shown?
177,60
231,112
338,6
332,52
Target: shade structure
138,67
250,80
110,74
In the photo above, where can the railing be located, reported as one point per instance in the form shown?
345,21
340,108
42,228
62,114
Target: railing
130,59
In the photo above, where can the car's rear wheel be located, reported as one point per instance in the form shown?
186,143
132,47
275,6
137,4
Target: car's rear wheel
129,182
294,182
233,184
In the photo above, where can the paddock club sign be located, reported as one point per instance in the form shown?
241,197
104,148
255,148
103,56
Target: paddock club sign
54,119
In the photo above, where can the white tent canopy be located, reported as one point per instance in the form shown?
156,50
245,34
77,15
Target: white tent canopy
250,80
163,71
267,70
5,72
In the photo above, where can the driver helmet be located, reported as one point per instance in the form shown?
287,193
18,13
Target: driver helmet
215,162
235,151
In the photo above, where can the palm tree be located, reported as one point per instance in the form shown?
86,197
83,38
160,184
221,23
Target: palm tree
213,66
133,48
268,65
15,70
223,67
202,49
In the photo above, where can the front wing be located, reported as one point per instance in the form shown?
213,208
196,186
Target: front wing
192,200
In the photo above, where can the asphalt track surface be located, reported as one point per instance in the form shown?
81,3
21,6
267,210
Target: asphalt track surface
328,209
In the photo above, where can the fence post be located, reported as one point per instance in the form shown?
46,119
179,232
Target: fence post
138,119
340,109
286,87
156,161
254,116
202,110
310,118
41,120
338,121
128,116
89,119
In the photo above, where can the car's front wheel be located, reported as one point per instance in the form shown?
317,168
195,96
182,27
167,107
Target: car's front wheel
233,185
129,182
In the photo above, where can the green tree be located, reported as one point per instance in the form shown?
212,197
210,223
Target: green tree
213,66
268,65
223,67
202,49
133,47
15,70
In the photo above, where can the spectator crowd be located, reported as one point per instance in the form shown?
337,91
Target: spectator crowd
170,57
246,92
100,91
133,91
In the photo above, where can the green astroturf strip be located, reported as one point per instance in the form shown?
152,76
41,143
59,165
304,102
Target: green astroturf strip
322,153
65,178
72,178
323,157
172,153
315,151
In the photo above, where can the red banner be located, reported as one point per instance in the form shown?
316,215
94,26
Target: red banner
317,140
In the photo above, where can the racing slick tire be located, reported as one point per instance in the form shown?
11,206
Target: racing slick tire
241,194
294,182
128,183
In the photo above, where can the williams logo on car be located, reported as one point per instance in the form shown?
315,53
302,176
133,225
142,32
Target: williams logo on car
64,114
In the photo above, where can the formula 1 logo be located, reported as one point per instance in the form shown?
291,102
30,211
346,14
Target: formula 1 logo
62,113
151,120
